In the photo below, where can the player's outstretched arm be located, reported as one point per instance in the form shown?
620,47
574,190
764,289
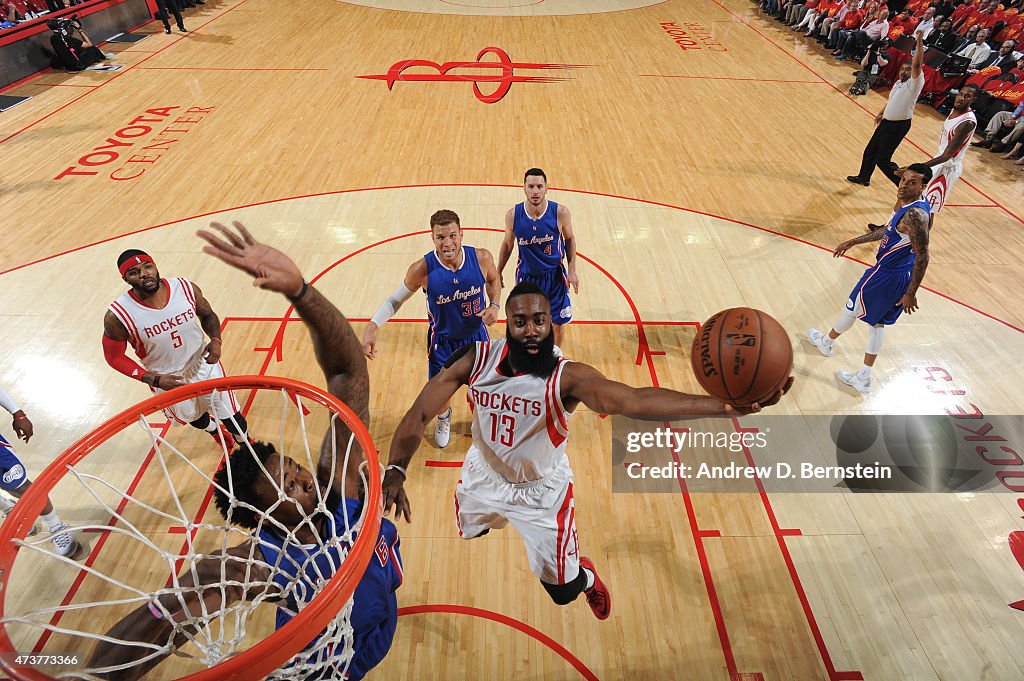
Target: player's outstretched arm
144,627
415,279
338,351
874,235
583,383
435,394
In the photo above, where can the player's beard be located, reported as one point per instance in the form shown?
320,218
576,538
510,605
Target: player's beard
540,364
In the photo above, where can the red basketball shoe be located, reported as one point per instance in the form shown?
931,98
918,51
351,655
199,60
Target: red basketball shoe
598,597
223,437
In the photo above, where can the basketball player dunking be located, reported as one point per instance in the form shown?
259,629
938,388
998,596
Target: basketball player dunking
543,232
522,394
890,286
308,549
454,278
164,320
953,143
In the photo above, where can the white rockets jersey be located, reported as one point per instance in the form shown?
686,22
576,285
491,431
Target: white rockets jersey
947,136
519,422
167,340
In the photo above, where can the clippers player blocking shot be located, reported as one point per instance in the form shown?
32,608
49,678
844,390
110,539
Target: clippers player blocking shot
166,322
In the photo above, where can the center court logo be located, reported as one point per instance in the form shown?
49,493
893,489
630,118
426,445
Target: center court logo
455,72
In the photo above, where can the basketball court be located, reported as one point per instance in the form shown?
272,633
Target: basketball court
702,150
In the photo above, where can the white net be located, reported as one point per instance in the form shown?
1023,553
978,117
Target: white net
208,589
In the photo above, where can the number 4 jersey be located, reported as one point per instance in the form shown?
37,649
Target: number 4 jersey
519,422
167,340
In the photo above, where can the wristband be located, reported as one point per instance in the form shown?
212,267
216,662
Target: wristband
218,340
155,611
23,417
302,292
156,381
396,467
494,304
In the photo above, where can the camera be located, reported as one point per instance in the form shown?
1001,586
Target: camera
65,25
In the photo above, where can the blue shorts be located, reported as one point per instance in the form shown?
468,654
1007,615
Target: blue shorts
12,472
555,285
876,297
440,348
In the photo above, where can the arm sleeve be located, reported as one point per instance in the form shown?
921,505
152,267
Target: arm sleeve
390,306
114,353
6,402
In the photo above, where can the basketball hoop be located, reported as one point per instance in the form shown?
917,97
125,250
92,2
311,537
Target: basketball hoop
319,635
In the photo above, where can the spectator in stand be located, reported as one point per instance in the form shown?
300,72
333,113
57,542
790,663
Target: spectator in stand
797,11
927,24
893,122
812,14
1005,131
842,28
977,52
1004,57
962,14
901,25
836,14
870,32
945,8
943,39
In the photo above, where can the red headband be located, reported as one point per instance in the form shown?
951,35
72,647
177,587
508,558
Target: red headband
132,262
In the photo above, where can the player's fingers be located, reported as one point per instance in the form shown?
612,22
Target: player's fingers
789,384
235,245
244,232
231,236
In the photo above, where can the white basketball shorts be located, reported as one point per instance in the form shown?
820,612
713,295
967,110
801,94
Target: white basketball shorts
937,191
221,403
542,511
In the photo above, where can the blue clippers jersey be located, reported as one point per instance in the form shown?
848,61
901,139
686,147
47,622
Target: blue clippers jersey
540,241
375,606
454,299
895,253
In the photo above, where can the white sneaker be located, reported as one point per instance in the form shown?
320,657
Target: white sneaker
65,543
853,379
821,341
443,431
33,531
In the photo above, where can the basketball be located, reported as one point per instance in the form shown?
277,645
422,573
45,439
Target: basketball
742,356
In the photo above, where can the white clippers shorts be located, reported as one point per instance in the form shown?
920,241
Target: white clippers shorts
222,403
945,176
542,511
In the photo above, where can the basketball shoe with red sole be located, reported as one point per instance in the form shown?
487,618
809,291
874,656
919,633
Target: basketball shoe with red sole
598,597
223,437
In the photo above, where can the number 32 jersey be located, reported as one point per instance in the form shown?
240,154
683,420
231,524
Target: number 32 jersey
520,425
167,340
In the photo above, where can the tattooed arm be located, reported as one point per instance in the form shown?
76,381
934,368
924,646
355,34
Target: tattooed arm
874,235
915,224
338,350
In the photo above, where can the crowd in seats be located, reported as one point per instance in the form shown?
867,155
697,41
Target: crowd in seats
14,12
967,41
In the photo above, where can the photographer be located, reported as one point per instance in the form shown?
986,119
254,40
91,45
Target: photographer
69,52
870,67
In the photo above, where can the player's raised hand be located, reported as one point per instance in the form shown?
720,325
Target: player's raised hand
270,268
22,426
168,381
394,495
745,410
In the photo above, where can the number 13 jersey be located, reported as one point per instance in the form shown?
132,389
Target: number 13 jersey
520,425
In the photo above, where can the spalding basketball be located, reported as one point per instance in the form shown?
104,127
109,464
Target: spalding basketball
742,356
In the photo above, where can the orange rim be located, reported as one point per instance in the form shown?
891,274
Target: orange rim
268,655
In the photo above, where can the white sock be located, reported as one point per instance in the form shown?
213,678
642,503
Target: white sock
590,579
445,416
864,371
5,504
52,521
212,426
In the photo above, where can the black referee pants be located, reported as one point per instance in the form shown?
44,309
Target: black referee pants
882,145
